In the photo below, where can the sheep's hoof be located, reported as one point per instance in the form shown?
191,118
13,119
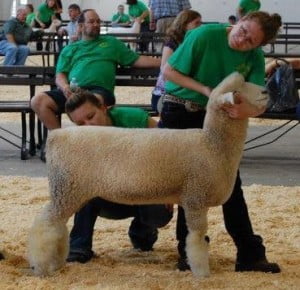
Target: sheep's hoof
201,273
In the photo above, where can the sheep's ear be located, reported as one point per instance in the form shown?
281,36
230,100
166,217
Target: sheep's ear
230,84
227,98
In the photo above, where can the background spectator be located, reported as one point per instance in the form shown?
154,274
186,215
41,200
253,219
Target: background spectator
137,9
30,14
163,12
46,14
92,72
185,20
72,27
246,6
14,39
232,20
120,19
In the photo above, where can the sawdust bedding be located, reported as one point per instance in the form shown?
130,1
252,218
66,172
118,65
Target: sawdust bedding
274,212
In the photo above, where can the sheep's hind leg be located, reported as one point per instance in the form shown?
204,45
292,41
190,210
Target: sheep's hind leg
196,245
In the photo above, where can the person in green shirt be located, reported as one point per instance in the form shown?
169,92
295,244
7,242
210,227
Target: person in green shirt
207,55
30,15
120,19
85,108
138,9
246,6
45,12
92,62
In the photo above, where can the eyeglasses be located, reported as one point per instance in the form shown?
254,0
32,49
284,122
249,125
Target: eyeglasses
245,34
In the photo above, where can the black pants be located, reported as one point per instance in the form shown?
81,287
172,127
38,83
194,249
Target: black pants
235,212
147,218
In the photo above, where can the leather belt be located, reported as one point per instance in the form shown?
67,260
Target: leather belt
190,106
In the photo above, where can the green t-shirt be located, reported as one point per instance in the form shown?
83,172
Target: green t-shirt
29,18
136,10
123,19
94,62
128,117
249,5
206,56
45,13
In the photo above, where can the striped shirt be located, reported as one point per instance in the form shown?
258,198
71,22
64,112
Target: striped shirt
167,8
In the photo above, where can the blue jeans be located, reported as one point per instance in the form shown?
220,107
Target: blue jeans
237,221
147,218
14,54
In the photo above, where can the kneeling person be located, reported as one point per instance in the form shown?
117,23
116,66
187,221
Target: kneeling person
85,108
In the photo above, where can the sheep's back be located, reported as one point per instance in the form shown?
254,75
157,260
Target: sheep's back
119,159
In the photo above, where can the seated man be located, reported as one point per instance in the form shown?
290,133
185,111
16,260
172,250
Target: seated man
85,108
120,19
92,61
14,38
72,28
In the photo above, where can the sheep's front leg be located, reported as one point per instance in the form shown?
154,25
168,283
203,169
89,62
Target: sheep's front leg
48,242
196,245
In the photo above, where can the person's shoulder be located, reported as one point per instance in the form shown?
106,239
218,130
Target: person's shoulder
141,3
11,22
42,6
110,39
258,52
207,30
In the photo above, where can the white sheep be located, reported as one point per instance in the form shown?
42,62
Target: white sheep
135,28
195,168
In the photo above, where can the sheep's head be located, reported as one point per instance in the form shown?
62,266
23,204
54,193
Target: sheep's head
235,84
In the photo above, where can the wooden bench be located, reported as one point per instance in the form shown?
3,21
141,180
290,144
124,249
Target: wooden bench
39,76
21,76
36,76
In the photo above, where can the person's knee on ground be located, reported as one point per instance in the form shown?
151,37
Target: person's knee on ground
45,108
143,230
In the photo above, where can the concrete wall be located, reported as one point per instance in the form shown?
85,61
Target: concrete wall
211,10
216,10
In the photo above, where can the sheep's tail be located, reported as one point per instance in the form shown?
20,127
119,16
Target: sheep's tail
48,244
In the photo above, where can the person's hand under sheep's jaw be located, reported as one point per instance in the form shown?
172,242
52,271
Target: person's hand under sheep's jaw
242,109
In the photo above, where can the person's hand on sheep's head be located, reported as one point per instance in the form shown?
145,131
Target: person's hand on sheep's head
242,108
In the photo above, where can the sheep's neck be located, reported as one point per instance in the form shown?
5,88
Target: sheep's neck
227,136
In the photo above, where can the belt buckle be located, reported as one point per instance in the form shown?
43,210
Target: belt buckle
190,107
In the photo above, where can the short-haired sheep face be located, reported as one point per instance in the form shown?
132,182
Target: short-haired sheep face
124,166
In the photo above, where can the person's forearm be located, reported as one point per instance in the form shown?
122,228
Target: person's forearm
62,82
10,38
147,61
144,15
185,81
39,21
